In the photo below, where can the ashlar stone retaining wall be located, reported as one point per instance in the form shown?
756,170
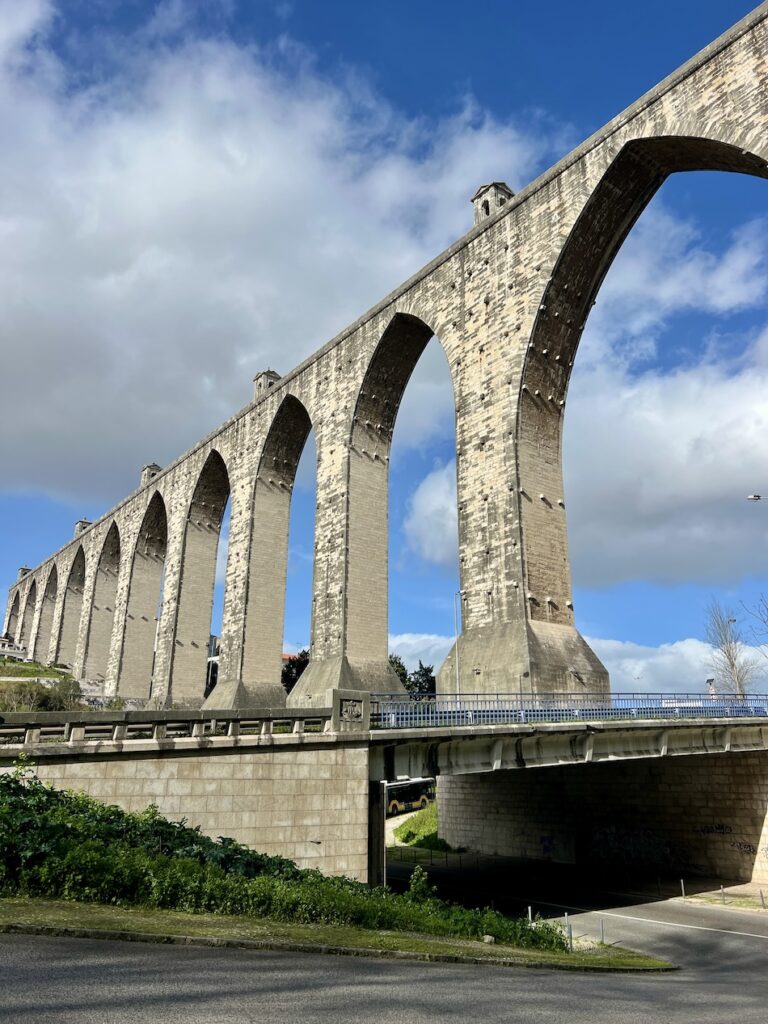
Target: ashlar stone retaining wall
703,815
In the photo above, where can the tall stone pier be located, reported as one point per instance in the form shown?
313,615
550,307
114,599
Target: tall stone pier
127,602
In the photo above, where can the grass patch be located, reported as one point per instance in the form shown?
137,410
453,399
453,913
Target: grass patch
33,913
421,830
30,670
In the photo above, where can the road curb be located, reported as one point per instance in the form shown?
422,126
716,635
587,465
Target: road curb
277,945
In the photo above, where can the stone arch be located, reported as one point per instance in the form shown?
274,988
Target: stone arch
376,410
373,423
268,553
102,615
197,580
624,191
47,607
27,617
13,617
72,611
366,583
143,603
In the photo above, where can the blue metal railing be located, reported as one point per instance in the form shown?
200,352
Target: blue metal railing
396,711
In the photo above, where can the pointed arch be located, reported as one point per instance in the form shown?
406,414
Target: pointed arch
624,191
618,200
268,554
13,618
28,617
198,576
102,615
144,598
42,647
378,401
72,612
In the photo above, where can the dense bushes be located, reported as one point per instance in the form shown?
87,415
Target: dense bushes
28,695
68,846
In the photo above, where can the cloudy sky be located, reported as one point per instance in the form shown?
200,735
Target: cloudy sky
191,192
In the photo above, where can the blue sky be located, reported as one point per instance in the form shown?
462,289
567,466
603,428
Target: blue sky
172,170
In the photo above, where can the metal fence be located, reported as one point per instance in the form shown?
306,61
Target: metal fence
395,711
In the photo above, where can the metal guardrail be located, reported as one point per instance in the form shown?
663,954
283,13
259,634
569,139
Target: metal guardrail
394,711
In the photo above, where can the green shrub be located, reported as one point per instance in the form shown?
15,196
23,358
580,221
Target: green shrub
26,695
67,846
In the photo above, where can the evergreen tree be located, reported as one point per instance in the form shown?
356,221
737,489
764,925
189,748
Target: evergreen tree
398,665
422,679
292,669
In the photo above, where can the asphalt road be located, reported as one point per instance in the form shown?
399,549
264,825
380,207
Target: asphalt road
723,954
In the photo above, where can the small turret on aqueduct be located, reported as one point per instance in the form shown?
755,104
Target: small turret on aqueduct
508,303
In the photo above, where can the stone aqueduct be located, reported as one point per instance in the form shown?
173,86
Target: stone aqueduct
508,303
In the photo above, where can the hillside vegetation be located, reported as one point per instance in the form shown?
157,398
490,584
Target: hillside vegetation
11,668
63,845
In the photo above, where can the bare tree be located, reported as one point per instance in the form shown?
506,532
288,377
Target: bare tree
733,664
759,628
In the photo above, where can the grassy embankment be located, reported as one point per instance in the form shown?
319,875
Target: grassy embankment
11,668
70,862
20,692
65,916
420,829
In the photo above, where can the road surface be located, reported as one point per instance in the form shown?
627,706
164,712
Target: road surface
722,953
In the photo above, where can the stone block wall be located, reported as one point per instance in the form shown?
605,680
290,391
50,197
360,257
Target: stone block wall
309,805
702,815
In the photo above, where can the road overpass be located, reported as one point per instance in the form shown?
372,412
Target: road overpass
672,783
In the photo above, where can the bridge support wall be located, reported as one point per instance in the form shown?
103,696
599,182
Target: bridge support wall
703,815
310,805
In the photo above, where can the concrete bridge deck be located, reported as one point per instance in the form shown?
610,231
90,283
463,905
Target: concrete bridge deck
309,783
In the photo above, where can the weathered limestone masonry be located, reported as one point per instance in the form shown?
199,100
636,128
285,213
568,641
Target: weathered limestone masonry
687,794
702,815
309,805
508,303
284,782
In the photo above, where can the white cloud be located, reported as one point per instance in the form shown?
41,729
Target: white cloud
680,667
430,525
195,211
429,648
658,460
664,269
427,411
21,21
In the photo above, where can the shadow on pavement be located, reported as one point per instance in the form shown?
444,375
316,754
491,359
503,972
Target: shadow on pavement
511,885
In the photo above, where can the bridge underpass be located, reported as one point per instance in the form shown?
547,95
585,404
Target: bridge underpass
680,794
663,797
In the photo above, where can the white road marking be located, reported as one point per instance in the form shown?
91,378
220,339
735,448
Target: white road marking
650,920
676,924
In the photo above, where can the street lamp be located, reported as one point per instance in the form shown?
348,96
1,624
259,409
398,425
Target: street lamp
456,601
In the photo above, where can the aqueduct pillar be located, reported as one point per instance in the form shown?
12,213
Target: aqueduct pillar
508,302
